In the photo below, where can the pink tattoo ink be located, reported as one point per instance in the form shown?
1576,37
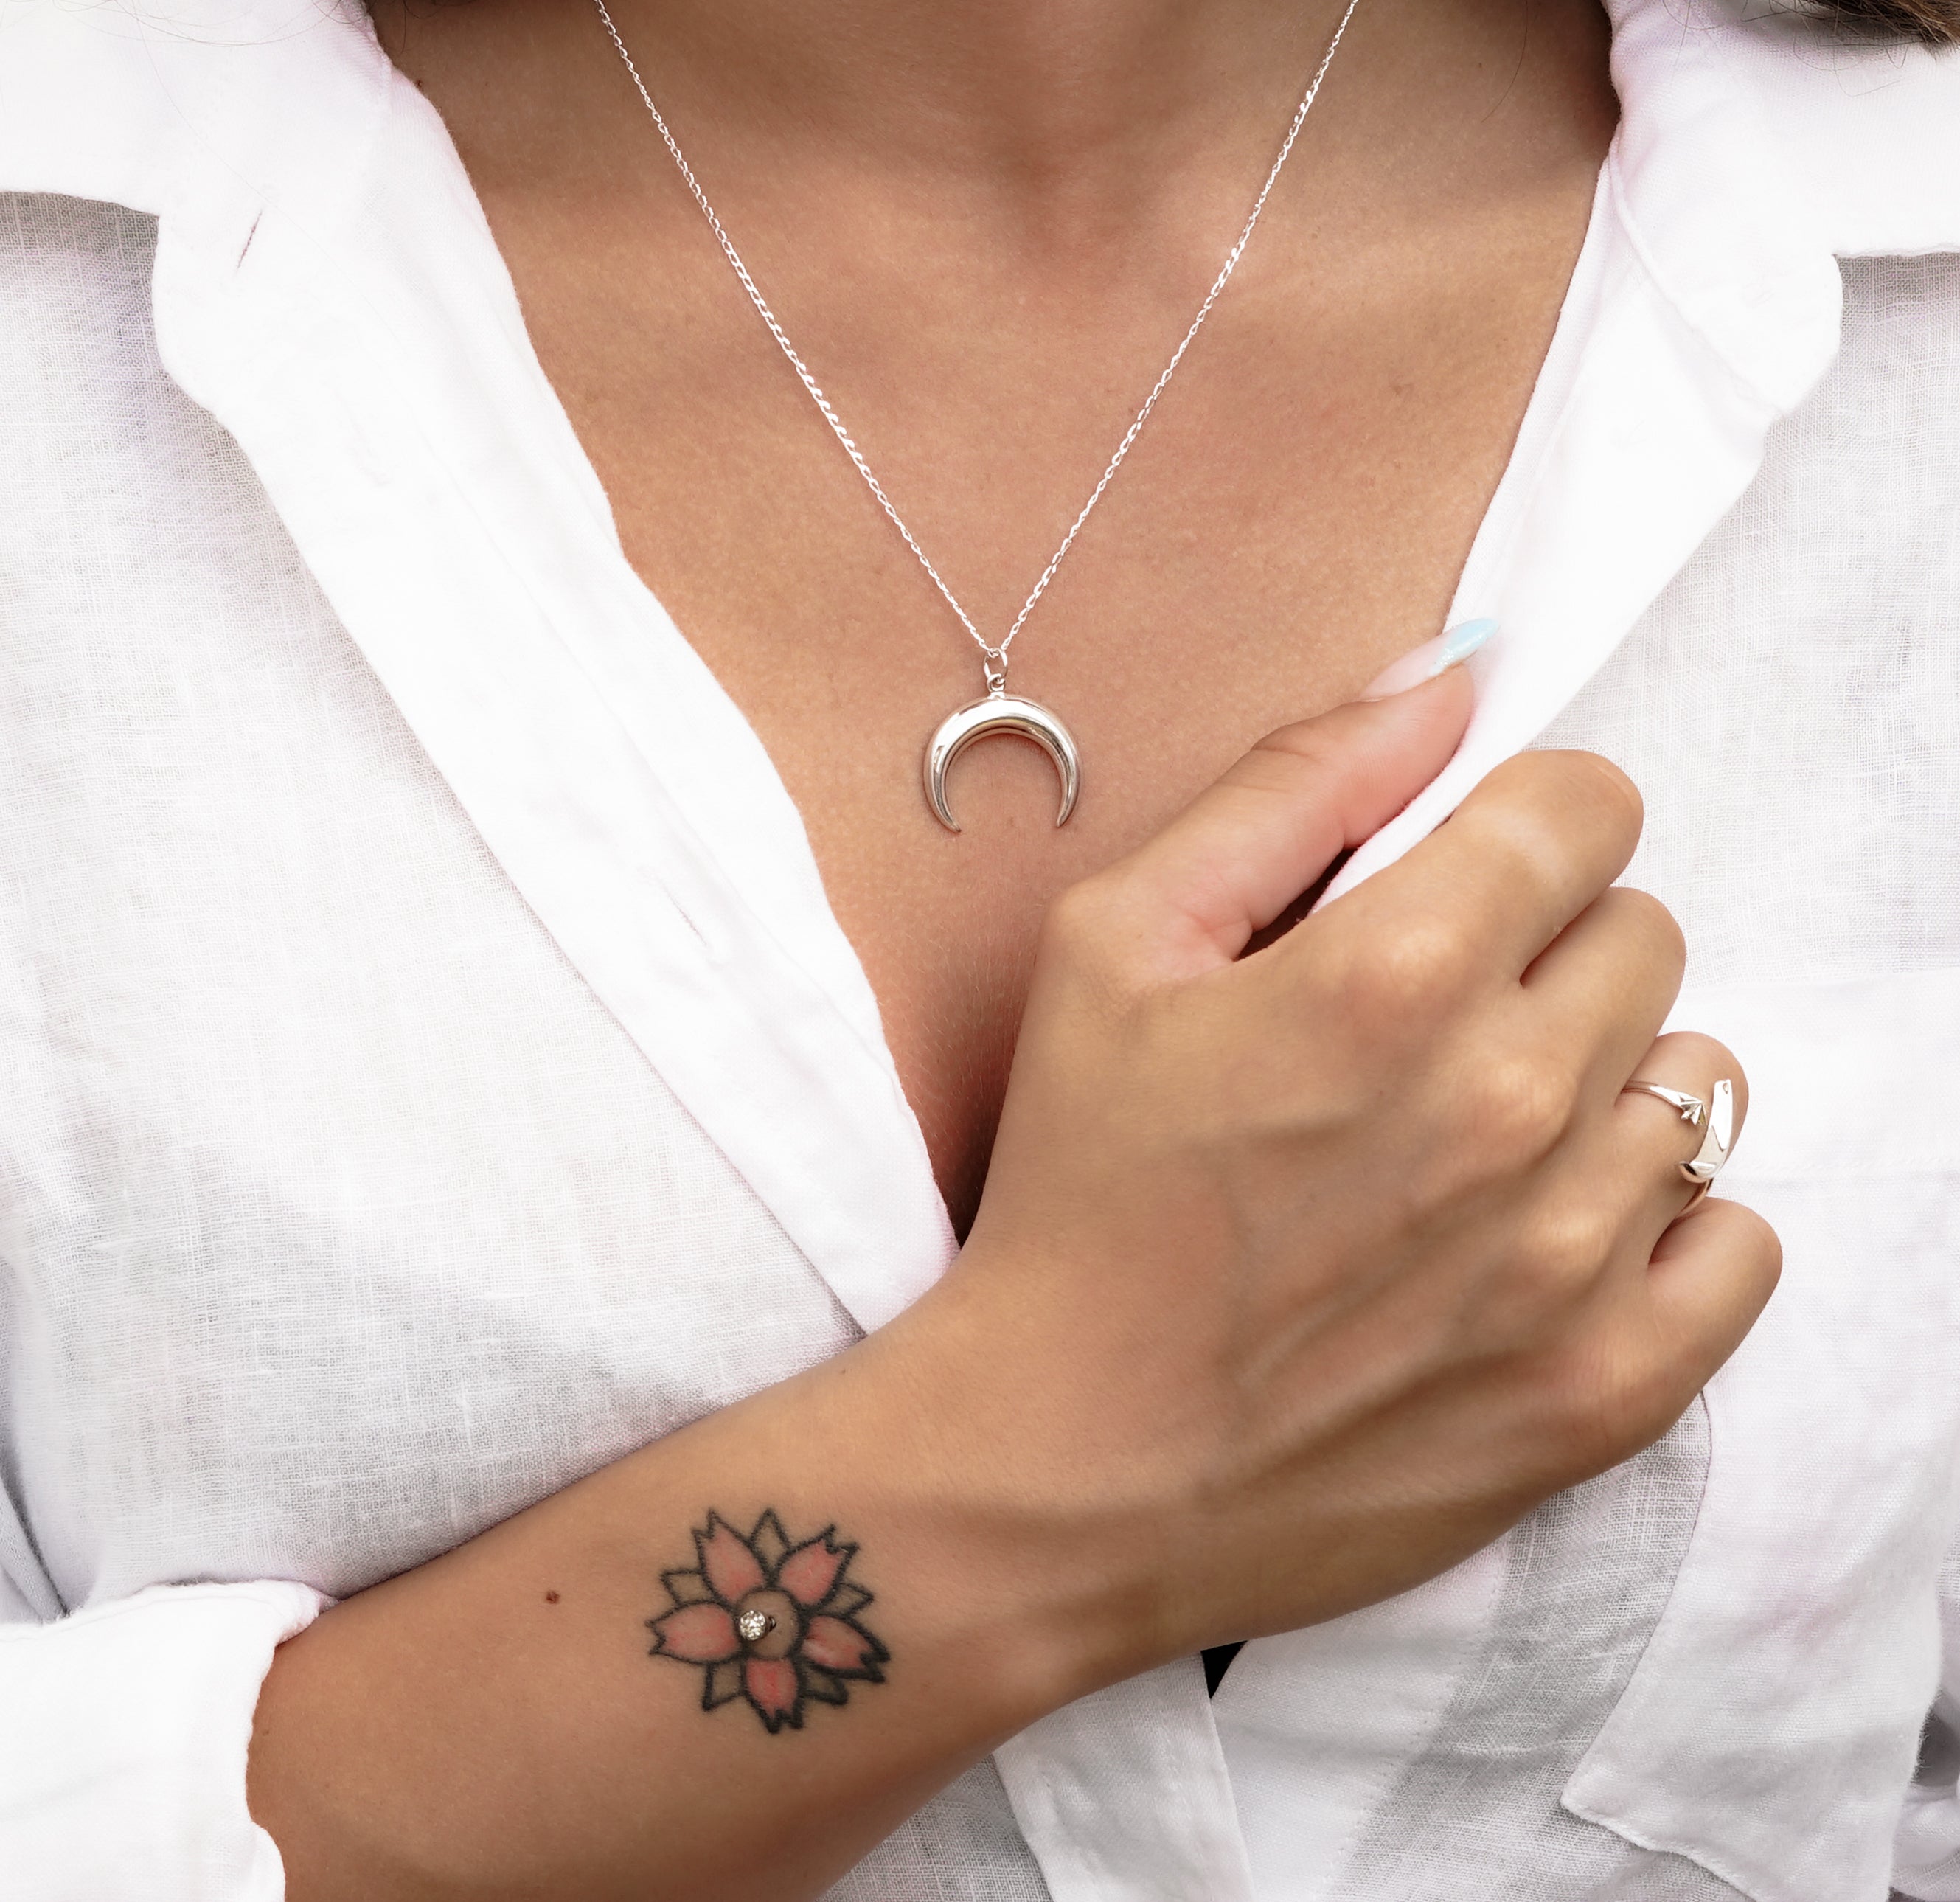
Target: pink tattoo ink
770,1622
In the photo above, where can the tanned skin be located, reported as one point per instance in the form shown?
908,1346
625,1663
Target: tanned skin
985,225
1294,1271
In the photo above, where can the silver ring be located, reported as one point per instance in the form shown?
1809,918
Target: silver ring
1716,1120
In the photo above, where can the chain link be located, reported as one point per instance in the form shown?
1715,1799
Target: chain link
996,656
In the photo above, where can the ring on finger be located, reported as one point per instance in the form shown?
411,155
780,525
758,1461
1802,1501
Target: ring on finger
1715,1118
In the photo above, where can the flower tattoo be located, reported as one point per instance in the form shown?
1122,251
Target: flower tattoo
772,1622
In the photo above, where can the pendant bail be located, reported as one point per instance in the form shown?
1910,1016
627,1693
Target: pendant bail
997,678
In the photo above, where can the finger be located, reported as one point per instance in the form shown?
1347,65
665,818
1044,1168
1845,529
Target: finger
1712,1274
1249,844
1650,1139
1652,1340
1601,989
1533,844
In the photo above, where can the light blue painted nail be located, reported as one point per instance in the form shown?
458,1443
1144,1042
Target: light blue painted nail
1463,640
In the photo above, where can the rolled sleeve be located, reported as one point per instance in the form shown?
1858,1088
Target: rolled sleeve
123,1733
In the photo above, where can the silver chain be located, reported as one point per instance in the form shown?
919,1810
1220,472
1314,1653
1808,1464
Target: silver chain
996,656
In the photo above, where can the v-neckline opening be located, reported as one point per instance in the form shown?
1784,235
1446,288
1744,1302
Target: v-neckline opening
798,913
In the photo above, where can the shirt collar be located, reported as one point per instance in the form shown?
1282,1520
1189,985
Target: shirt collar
325,285
1751,152
288,166
1729,112
466,547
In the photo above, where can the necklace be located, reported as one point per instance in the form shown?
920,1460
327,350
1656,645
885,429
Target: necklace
998,710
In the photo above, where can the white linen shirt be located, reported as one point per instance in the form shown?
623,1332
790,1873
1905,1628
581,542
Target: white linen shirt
429,1068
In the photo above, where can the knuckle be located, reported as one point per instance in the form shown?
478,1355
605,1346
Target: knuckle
1082,935
1306,747
1422,964
1555,798
1561,1252
1593,788
1512,1109
1524,842
1293,761
1646,920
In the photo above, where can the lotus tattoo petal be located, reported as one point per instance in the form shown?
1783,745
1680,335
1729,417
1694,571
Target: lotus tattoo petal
768,1619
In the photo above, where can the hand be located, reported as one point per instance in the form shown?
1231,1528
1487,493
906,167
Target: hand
1301,1274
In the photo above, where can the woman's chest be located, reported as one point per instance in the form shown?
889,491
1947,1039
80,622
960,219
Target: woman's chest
1293,517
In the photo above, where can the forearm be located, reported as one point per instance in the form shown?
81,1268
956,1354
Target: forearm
498,1722
1299,1275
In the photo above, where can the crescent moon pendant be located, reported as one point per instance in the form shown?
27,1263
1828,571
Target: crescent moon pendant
981,720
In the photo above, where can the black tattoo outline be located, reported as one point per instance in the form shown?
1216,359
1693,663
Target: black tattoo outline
812,1647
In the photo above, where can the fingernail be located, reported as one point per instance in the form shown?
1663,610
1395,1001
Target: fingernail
1426,661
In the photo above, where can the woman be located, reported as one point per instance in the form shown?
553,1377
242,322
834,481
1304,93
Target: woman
460,1031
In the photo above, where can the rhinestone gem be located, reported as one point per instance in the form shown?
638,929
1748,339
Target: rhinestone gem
755,1623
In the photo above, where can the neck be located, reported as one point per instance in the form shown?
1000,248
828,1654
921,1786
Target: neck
1036,87
1053,132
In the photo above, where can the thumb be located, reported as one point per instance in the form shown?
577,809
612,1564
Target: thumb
1247,846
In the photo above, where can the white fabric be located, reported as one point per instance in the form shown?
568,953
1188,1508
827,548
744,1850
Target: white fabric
1819,884
163,1682
1126,1795
428,1066
325,1327
1372,1745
